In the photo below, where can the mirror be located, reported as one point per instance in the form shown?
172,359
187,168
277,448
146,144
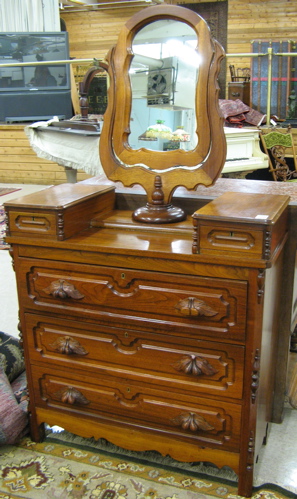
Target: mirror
163,75
186,145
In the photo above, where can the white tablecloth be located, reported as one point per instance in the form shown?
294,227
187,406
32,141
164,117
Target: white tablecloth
73,150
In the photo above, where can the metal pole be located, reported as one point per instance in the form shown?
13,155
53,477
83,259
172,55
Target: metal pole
49,63
259,54
247,54
96,61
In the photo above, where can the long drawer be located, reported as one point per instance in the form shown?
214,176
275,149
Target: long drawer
208,422
211,368
211,307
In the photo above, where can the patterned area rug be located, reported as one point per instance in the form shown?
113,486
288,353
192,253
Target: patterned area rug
58,470
3,245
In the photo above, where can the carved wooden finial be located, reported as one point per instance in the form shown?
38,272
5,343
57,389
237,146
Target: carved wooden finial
158,194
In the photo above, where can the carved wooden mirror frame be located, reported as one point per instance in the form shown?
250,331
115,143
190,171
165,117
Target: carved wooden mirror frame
161,172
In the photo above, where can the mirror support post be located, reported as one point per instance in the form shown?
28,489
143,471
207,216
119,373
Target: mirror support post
157,211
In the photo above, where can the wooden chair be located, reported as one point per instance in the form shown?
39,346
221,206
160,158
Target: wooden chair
232,72
239,74
279,146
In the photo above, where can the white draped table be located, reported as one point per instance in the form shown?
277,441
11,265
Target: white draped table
74,149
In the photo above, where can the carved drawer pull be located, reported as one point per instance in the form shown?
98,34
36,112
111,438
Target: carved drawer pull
72,396
194,307
68,346
63,289
195,365
192,422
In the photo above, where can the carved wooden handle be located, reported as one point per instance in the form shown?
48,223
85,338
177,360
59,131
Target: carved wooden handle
68,346
63,289
72,396
195,365
194,307
192,422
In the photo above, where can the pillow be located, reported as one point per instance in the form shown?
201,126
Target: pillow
20,391
11,356
13,419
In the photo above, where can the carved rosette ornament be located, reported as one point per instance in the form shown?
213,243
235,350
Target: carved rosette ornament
71,396
194,365
63,289
192,422
193,307
68,346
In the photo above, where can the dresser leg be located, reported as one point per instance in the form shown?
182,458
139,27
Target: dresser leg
244,487
246,468
37,432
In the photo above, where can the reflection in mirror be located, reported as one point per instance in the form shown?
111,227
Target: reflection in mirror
163,76
93,92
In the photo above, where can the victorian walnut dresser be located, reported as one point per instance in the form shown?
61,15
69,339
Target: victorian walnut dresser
155,337
154,326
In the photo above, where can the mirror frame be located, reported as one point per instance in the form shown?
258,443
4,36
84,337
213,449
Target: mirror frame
170,169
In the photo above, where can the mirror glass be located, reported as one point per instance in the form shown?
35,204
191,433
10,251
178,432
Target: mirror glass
163,74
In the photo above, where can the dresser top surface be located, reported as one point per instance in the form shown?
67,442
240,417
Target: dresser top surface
252,208
59,196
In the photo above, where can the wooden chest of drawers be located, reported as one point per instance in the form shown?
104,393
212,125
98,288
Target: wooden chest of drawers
239,90
152,337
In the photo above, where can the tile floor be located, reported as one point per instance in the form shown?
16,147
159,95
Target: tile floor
278,459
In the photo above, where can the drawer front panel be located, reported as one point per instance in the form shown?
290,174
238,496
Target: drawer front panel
212,307
211,423
32,223
177,364
215,238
